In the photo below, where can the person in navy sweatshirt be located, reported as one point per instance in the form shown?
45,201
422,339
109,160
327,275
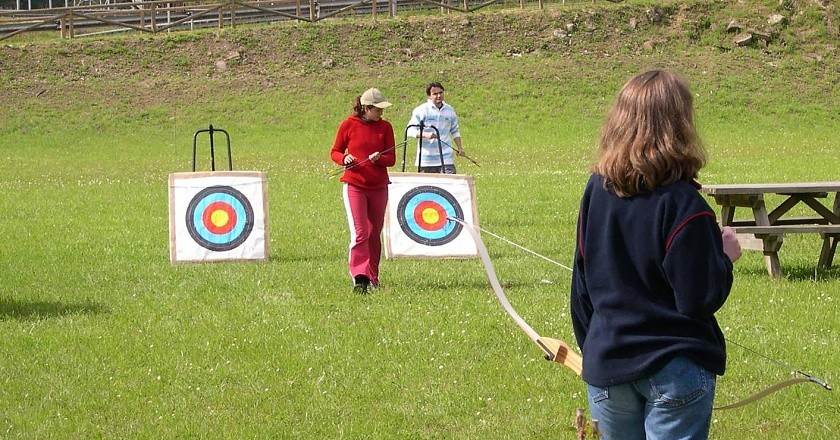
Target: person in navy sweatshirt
364,145
651,268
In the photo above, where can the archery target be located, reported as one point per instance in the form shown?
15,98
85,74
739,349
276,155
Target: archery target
218,216
422,214
416,220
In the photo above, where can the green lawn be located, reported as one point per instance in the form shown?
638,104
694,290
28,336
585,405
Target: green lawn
104,338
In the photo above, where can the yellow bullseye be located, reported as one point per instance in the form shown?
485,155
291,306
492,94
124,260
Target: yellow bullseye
430,216
219,218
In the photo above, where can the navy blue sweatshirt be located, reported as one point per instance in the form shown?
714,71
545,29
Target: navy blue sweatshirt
649,274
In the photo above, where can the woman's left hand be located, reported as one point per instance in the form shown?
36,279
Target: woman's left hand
374,156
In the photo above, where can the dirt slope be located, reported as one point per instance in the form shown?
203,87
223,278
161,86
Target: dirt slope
255,58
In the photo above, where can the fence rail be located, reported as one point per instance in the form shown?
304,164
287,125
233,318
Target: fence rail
162,15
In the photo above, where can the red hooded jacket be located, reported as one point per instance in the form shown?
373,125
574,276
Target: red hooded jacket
362,138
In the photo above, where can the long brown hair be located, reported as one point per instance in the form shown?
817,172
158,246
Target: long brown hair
358,109
648,139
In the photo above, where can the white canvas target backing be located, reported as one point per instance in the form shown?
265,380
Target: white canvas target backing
416,222
219,215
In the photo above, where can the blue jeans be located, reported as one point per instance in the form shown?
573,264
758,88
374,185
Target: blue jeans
673,403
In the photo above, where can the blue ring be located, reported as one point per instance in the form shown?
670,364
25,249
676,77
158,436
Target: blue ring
405,215
220,242
411,221
212,237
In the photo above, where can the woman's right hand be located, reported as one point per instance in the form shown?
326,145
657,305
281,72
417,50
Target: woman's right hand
348,159
731,247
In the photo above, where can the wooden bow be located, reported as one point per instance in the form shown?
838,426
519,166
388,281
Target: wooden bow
803,378
772,389
554,349
560,352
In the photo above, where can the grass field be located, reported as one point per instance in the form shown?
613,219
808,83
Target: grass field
104,338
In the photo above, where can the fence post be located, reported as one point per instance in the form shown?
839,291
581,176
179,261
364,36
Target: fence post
392,8
154,16
221,17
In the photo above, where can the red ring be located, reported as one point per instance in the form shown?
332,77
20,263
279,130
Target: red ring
421,222
206,217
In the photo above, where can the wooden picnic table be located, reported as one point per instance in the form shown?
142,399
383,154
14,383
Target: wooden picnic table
766,230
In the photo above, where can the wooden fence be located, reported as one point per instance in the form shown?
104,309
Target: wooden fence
161,15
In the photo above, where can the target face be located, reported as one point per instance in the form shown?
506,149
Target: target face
423,212
417,221
220,218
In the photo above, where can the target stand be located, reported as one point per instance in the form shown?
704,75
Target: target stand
419,205
422,127
217,215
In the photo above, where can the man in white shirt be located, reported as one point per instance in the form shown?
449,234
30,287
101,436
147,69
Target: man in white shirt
435,113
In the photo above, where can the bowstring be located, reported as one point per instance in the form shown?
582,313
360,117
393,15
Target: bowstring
524,248
783,364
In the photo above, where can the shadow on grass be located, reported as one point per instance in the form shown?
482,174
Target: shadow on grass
801,273
804,273
444,287
33,310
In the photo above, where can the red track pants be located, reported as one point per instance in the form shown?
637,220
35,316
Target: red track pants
365,215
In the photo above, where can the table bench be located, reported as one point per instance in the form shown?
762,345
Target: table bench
765,231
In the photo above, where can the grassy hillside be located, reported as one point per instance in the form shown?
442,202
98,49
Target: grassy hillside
293,76
686,35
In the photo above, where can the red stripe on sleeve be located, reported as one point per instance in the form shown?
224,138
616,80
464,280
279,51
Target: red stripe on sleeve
682,225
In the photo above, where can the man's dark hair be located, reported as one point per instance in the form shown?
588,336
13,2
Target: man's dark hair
433,85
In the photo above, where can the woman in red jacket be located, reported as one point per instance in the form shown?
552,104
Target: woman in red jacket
364,145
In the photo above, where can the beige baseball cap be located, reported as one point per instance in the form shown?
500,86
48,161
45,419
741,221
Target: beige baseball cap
374,97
